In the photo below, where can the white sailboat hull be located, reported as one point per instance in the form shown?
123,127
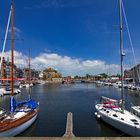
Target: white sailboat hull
17,130
136,110
122,125
16,91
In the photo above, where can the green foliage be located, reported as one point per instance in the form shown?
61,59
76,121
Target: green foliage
104,75
118,75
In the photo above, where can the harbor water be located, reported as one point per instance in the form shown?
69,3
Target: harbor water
56,100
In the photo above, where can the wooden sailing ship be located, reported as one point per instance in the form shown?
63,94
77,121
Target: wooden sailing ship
21,114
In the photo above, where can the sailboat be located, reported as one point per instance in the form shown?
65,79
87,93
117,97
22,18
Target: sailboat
24,83
29,84
114,113
21,114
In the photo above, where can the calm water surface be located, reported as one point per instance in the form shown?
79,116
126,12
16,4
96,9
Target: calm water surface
56,100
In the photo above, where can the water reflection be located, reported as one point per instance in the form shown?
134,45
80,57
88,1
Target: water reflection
56,100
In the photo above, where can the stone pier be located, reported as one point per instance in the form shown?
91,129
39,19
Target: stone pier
69,126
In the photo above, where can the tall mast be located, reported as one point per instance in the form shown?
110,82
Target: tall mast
29,72
12,49
121,54
24,71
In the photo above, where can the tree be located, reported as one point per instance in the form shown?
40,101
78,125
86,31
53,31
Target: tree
76,77
118,75
87,76
104,75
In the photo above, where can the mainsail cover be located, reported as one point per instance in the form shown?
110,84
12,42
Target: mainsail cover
28,103
13,104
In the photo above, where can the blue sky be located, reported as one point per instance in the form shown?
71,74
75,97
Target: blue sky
82,30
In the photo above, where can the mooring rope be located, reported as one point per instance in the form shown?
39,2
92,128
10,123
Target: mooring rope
130,39
5,38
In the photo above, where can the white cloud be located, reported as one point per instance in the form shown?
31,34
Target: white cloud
65,64
19,59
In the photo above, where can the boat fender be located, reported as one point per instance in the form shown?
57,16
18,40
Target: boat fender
98,116
95,113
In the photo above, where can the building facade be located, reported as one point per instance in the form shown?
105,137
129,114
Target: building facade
51,75
133,73
18,72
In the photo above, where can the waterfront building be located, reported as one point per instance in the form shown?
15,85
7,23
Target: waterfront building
57,80
98,77
6,70
18,72
52,76
41,75
34,74
133,73
68,79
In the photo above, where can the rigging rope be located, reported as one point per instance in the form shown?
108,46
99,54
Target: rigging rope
130,39
5,38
